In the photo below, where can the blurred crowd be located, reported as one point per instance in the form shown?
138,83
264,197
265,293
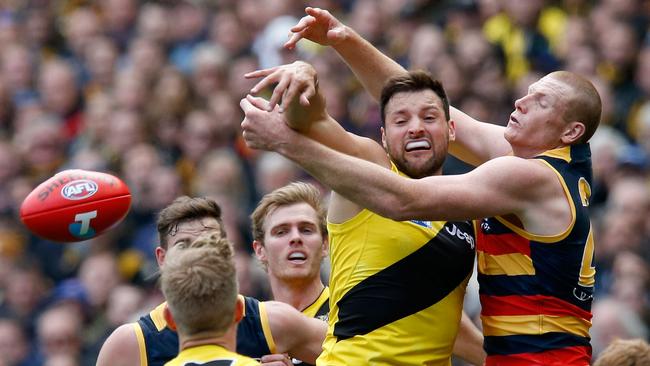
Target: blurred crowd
149,91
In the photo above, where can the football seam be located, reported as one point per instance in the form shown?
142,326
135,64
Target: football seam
50,211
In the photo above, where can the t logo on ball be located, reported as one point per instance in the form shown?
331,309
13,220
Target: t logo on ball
81,227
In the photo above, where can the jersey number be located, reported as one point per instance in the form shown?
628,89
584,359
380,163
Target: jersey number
587,270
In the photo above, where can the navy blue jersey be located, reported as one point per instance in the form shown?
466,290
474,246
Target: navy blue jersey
536,291
160,344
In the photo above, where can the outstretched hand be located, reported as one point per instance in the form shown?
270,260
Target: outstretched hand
319,26
263,129
298,78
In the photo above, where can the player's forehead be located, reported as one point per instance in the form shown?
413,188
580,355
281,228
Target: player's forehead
549,85
301,212
192,229
414,101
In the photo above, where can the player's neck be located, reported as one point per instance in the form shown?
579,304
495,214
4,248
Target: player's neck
227,340
527,152
299,294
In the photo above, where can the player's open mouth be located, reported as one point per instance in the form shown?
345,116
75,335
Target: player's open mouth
513,119
417,145
297,257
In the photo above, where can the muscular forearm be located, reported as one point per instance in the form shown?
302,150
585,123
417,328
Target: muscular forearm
362,182
469,342
370,66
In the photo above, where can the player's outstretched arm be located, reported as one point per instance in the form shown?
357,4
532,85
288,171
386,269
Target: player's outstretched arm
321,127
489,190
475,142
370,66
120,348
294,333
469,342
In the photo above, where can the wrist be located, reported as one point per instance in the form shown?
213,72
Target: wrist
346,37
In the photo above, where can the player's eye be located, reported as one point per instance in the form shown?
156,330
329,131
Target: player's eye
182,244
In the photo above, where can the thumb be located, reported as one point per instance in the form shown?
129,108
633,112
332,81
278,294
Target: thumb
245,105
257,102
335,35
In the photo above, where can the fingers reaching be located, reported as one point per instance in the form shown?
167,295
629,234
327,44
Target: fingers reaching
269,79
309,92
293,39
260,73
278,92
257,102
303,24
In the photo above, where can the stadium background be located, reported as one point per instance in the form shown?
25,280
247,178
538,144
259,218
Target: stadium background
150,91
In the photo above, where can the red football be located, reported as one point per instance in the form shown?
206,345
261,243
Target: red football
75,205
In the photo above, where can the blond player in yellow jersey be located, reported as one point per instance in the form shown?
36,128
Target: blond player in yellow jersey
200,286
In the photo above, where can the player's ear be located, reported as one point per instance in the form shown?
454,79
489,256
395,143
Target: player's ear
260,251
160,255
452,130
383,138
239,309
326,246
169,318
573,132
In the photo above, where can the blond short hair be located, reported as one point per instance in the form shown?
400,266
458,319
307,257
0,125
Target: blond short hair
630,352
200,285
296,192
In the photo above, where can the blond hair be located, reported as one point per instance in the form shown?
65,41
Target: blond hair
630,352
200,285
296,192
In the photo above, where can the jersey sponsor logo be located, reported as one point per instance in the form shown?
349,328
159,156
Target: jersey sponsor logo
582,295
79,189
485,226
455,231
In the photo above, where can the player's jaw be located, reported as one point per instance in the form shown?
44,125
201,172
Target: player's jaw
417,157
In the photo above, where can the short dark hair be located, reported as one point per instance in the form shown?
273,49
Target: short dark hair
411,82
184,209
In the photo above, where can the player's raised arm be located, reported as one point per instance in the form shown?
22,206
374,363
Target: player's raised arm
370,66
475,143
